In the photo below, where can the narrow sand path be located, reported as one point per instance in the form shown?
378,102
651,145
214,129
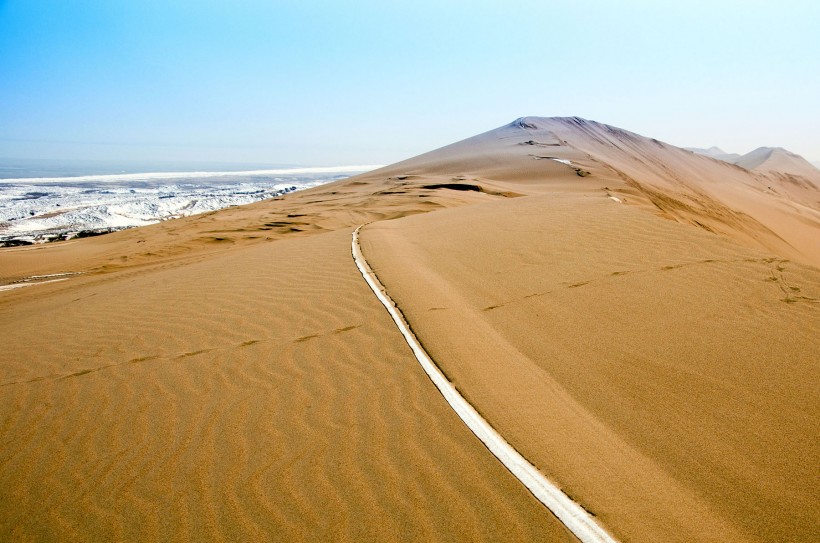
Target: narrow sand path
572,515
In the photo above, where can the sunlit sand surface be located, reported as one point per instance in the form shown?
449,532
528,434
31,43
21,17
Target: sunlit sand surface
640,322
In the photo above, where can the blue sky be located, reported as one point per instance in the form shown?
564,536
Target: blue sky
360,82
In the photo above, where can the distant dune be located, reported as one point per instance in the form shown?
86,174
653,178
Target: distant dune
779,160
766,159
716,152
641,322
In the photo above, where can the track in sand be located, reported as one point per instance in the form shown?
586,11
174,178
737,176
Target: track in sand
574,517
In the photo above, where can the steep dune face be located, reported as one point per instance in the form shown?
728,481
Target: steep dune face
775,211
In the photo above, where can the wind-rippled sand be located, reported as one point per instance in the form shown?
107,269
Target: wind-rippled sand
264,395
641,323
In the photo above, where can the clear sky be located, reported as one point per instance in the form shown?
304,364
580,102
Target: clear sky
362,82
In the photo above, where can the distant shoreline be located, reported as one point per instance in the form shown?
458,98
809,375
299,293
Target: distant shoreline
45,209
152,176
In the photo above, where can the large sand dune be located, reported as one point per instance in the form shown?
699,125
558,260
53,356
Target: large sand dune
640,322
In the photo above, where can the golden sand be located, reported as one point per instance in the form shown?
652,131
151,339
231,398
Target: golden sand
641,323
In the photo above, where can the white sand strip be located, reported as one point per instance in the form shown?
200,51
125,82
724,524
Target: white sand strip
21,285
574,517
14,286
48,276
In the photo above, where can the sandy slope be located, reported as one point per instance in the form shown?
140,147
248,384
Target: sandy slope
262,395
778,213
665,377
578,520
231,376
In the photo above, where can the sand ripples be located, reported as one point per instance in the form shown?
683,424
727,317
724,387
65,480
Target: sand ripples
260,395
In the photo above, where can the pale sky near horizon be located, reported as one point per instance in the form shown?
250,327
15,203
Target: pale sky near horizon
364,82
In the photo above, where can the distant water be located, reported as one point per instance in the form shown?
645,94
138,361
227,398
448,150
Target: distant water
46,201
21,168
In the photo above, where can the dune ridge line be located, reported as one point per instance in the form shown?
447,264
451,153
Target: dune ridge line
572,515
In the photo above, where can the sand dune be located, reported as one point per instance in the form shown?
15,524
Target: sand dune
715,152
777,159
777,213
766,160
640,322
259,395
579,521
625,358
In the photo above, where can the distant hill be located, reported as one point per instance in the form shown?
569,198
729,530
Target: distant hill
715,152
766,160
777,159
